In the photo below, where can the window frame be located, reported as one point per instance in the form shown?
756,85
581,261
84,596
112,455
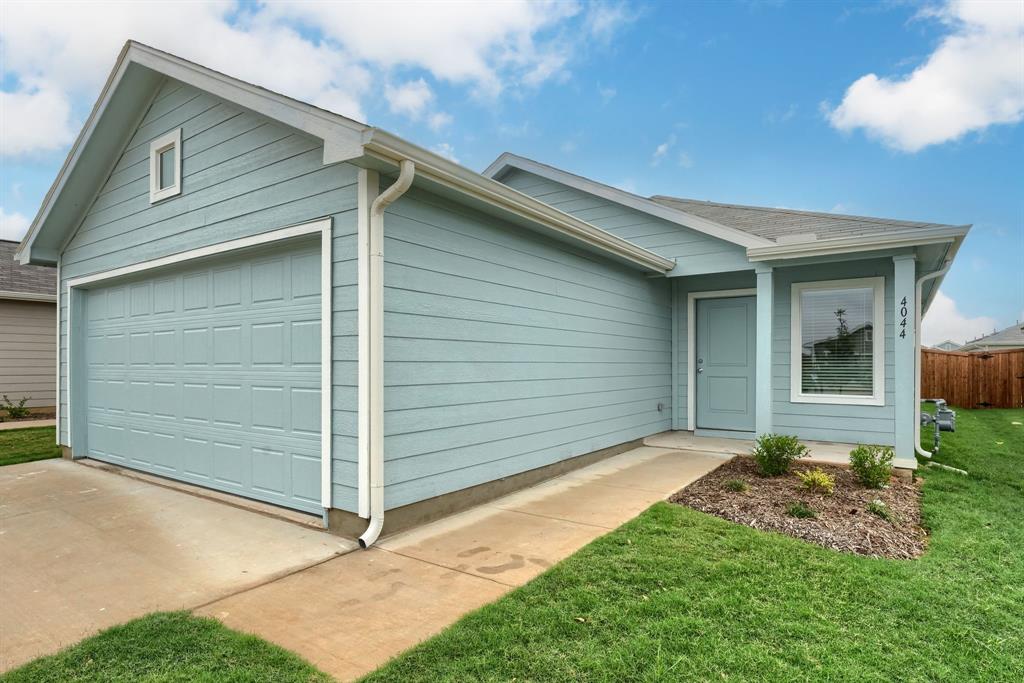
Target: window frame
877,397
171,140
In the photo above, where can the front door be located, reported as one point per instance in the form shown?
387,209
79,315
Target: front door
726,338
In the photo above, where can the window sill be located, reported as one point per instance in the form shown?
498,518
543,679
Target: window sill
838,400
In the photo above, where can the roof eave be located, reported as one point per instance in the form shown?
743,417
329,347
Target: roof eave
392,149
508,160
861,243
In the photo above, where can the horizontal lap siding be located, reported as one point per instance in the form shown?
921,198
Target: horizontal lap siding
693,251
242,174
830,422
27,346
506,351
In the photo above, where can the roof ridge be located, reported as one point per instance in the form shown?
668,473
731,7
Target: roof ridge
801,212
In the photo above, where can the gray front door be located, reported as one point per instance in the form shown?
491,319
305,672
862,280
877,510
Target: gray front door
210,373
726,338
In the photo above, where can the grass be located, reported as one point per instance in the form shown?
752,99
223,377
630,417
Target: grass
679,595
26,445
167,647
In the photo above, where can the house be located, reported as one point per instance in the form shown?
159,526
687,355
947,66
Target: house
28,331
265,298
1003,340
948,345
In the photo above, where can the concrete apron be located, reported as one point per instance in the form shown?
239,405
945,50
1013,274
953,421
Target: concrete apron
352,614
83,549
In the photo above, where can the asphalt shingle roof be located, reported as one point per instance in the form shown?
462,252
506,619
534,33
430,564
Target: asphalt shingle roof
15,277
1011,336
772,224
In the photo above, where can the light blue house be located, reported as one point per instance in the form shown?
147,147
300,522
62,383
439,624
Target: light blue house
265,298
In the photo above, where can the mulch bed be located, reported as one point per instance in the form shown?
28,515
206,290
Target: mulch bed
843,521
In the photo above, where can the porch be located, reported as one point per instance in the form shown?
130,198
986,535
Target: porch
821,451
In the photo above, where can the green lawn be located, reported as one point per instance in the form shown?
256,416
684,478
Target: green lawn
26,445
165,647
679,595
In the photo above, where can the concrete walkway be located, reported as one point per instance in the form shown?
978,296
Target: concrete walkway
25,424
351,614
82,549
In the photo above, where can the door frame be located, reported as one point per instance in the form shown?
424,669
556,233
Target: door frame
691,344
321,226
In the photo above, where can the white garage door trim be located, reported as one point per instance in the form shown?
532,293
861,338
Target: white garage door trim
323,226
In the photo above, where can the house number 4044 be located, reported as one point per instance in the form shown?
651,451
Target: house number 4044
903,318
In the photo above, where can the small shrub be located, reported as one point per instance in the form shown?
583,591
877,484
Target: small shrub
818,481
15,410
872,465
877,507
800,510
737,485
774,453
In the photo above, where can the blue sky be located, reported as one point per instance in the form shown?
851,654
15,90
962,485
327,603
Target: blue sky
767,103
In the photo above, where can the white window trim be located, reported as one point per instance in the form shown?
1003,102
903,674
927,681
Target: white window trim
877,398
163,143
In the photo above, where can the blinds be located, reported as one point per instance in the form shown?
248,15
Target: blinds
837,329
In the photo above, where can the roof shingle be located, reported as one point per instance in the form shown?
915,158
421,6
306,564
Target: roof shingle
15,277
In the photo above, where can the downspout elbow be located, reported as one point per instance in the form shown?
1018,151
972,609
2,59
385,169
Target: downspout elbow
376,374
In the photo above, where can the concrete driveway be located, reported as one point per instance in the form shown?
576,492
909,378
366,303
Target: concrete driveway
82,549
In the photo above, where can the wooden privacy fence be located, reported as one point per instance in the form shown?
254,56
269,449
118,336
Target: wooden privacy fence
989,379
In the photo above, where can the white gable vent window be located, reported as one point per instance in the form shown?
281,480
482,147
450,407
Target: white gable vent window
165,166
838,337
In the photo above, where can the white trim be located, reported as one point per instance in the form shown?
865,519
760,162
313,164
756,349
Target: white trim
56,416
861,243
321,226
368,188
27,296
326,360
691,344
613,194
157,147
213,249
877,397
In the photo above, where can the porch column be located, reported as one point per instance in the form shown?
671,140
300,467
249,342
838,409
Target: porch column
763,376
905,345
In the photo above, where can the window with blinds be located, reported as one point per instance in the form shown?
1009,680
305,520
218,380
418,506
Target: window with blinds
836,355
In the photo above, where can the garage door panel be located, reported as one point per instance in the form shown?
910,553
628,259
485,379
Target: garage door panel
211,375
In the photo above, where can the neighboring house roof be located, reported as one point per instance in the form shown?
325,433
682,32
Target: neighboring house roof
132,84
28,283
1010,338
948,345
781,225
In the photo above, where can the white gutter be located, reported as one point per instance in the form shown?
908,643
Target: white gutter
917,352
844,245
376,370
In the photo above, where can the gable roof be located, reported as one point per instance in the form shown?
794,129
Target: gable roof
1011,337
784,224
29,283
500,166
133,83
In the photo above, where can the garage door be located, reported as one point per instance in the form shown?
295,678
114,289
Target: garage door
210,373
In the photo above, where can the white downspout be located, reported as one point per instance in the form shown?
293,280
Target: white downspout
917,353
376,378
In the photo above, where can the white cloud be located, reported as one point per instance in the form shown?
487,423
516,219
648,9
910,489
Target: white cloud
974,79
607,94
661,150
945,321
685,160
37,121
445,150
13,226
410,98
327,53
439,120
